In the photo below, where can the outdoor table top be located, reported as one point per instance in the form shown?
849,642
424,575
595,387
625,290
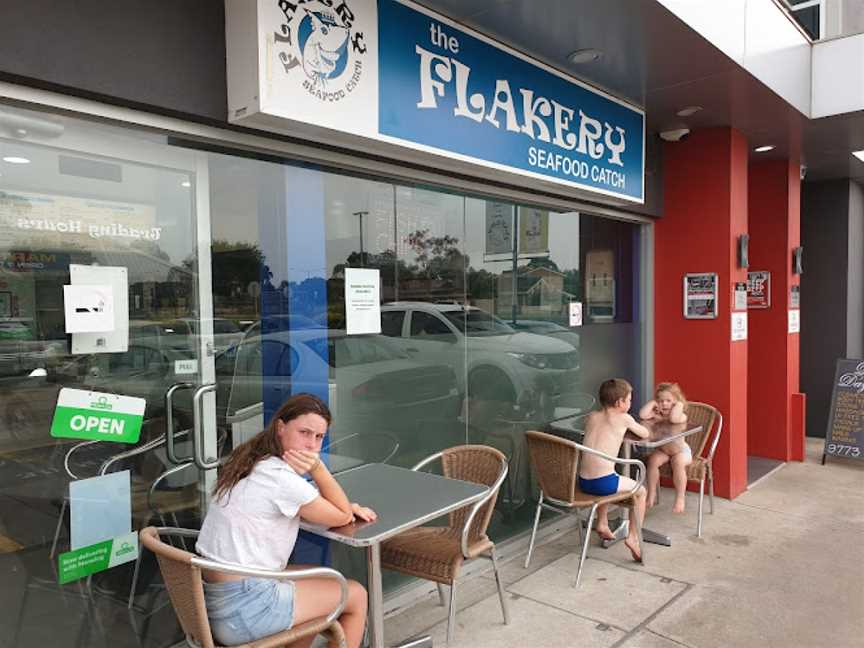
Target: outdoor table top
662,432
337,463
402,498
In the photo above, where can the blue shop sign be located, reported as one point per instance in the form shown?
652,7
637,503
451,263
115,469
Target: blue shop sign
445,88
391,71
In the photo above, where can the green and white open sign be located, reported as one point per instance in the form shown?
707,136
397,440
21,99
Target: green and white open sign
90,415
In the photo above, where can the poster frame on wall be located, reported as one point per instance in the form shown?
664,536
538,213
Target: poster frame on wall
753,300
700,288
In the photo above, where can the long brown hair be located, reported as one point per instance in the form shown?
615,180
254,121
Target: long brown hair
266,443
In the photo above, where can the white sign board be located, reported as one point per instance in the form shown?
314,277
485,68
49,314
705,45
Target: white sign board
739,326
185,367
575,313
88,309
362,301
100,508
116,338
794,321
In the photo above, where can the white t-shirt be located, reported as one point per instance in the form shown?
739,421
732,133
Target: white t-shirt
256,524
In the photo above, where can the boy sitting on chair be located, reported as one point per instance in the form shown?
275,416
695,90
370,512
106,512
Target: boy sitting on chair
604,431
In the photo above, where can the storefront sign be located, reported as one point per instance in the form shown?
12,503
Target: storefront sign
700,295
362,301
74,565
430,85
759,289
84,414
845,435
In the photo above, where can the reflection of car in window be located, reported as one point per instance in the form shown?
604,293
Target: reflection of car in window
525,371
369,379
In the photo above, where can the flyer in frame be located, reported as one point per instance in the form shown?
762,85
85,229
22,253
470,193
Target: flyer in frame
96,416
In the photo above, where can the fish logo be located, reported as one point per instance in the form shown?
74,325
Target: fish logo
323,43
325,39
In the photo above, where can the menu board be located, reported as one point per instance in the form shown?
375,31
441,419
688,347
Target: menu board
845,434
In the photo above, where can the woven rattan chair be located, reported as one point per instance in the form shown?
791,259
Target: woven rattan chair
555,461
181,572
703,445
437,553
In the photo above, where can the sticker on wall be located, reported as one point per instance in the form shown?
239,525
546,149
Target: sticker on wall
795,297
88,309
182,367
759,289
575,313
740,295
739,326
794,321
362,301
82,414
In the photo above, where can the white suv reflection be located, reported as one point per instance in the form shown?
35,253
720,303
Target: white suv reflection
525,372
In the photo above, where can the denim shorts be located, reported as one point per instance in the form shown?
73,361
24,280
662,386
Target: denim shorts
249,609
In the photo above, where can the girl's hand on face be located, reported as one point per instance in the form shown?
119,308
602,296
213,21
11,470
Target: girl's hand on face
365,514
302,461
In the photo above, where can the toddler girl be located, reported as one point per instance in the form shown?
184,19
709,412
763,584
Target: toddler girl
668,405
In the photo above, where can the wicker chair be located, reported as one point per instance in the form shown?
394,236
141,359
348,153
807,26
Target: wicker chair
181,572
702,465
437,553
555,461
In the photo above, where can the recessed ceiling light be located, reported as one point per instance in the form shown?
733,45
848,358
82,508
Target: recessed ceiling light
689,110
11,159
587,55
764,149
186,183
859,155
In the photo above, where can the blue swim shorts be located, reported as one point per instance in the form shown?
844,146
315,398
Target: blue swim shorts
245,610
605,485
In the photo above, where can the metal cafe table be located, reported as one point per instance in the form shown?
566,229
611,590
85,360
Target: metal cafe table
662,433
403,499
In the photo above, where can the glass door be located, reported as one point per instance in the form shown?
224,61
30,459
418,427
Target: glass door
105,325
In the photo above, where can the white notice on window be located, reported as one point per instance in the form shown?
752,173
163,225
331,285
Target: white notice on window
794,321
362,301
739,326
89,308
575,313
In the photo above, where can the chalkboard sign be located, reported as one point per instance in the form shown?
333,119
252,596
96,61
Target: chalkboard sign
845,435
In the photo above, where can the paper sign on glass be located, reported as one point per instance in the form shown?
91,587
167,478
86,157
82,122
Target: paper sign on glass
362,301
88,308
82,414
575,313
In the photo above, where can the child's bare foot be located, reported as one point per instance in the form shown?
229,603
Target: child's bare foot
678,507
605,533
635,550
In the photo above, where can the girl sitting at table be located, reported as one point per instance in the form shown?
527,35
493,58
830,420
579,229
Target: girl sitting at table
253,520
668,405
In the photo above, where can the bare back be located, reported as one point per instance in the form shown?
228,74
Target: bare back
604,431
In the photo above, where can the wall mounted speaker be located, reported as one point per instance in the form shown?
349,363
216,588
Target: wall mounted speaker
743,250
797,254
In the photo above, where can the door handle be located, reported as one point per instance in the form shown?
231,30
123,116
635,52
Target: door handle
198,429
169,422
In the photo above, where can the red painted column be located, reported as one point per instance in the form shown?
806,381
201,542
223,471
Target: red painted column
774,422
705,211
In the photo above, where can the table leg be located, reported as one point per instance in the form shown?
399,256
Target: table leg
621,530
376,596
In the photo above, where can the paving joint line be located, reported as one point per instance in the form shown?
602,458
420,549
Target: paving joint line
644,623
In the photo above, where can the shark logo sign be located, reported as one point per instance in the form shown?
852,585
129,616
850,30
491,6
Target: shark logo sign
319,45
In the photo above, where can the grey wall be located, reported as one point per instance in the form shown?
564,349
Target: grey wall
855,274
824,235
166,56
